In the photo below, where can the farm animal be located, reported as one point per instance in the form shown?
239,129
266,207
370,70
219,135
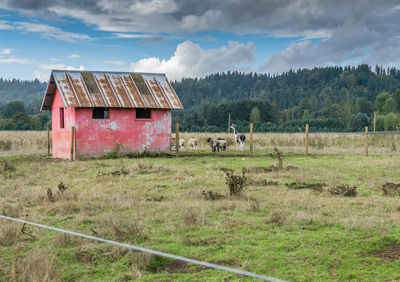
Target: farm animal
239,138
182,144
217,144
192,143
222,143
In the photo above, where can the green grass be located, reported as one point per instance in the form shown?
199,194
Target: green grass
317,236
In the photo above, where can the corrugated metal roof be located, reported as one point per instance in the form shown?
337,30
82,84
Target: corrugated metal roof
112,90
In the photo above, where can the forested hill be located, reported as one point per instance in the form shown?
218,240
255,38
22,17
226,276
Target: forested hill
329,98
31,92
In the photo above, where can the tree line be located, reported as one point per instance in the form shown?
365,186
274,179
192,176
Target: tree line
328,98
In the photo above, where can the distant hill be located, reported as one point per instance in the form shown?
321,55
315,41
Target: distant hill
30,92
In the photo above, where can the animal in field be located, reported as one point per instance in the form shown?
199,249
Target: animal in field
222,143
182,144
240,138
192,143
217,144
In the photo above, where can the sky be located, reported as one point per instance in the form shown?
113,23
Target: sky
192,38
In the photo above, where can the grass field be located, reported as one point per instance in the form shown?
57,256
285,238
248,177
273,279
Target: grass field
272,229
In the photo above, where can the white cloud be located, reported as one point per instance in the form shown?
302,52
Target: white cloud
41,76
46,31
6,51
73,56
130,35
115,63
59,67
190,60
15,61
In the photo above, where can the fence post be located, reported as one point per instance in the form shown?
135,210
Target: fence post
251,139
366,141
48,141
72,142
177,139
306,143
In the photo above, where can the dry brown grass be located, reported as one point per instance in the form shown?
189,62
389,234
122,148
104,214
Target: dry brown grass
37,266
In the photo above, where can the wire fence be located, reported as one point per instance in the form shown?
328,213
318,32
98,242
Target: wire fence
146,250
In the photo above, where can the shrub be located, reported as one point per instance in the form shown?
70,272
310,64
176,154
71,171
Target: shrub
236,183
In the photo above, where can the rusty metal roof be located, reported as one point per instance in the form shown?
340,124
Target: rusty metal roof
90,89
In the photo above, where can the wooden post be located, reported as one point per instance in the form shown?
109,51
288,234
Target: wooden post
177,139
366,141
72,142
306,139
48,141
374,121
229,123
251,139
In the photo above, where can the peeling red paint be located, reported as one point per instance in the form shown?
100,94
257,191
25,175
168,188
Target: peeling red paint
95,137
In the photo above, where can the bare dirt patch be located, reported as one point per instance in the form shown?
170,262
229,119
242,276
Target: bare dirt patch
312,186
389,252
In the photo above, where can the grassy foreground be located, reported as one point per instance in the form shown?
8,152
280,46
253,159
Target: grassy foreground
293,234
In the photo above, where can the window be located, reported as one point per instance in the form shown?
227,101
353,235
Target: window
143,113
61,117
90,82
141,84
100,113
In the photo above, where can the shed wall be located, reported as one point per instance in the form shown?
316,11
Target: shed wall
61,136
95,137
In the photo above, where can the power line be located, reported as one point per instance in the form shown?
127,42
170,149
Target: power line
154,252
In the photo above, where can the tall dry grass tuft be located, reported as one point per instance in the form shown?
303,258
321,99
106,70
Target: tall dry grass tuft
37,266
9,233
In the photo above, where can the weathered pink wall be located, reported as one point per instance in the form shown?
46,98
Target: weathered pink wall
61,136
96,137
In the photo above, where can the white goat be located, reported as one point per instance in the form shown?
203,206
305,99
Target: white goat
182,144
192,144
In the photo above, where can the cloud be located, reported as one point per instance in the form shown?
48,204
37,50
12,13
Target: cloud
59,67
190,60
41,76
359,31
115,63
46,31
73,56
6,51
15,61
130,35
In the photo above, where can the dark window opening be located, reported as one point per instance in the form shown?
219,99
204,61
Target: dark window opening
140,83
90,82
143,113
100,113
61,117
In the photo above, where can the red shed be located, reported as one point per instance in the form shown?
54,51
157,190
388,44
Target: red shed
109,108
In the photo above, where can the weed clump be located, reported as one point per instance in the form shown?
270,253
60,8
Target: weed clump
116,151
391,189
278,156
212,196
344,191
277,217
312,186
236,183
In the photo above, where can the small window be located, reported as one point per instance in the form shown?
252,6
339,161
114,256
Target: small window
100,113
61,117
143,113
